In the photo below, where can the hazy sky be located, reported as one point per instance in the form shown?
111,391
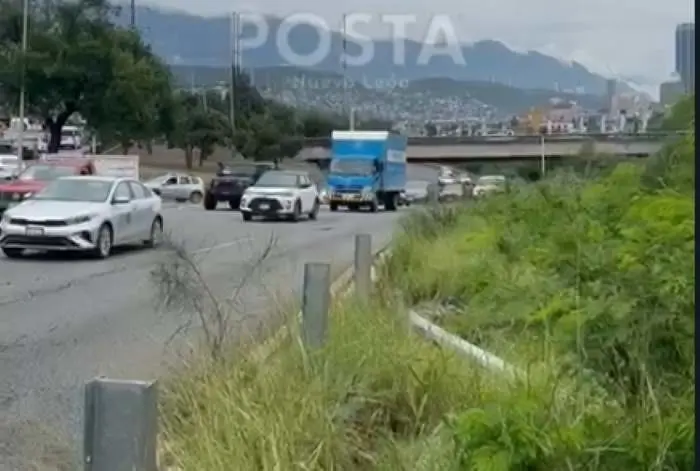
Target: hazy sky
629,38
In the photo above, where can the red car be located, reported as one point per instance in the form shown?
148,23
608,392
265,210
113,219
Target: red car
38,175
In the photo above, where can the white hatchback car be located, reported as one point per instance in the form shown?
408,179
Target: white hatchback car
83,213
287,194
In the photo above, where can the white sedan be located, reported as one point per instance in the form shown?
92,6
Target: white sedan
83,213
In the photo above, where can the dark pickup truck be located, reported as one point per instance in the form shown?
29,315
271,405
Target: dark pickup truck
230,183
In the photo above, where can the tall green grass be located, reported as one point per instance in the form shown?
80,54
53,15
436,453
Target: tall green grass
588,280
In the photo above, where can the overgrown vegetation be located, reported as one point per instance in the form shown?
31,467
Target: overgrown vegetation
589,280
586,284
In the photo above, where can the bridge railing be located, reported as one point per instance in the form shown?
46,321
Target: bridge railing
519,139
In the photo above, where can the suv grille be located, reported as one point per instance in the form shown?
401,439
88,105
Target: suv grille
273,205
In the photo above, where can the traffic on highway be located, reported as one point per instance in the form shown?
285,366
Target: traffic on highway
67,317
96,203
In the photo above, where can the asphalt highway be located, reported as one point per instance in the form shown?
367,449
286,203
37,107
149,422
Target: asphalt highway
67,319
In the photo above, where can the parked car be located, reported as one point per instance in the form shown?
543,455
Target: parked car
178,187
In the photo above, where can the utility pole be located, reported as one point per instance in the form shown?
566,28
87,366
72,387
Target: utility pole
234,42
133,13
22,91
344,64
543,157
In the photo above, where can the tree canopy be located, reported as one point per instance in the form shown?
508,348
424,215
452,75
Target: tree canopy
78,62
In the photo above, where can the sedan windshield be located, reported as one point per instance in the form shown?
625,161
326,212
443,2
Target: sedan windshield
89,191
277,180
46,172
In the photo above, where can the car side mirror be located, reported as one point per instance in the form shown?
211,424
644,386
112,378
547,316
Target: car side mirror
121,200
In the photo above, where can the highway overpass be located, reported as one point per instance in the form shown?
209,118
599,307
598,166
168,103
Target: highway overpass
511,148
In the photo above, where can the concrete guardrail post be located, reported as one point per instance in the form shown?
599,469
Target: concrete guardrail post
121,425
315,306
363,266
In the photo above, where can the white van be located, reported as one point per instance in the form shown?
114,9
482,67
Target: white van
71,138
9,166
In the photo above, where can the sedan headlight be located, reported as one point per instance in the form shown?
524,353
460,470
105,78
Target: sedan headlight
79,219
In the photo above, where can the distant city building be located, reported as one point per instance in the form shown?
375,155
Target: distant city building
685,55
670,92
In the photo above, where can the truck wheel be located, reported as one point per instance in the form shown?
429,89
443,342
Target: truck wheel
374,205
333,207
390,202
209,202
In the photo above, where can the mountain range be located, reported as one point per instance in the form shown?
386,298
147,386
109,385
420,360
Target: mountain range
185,39
278,81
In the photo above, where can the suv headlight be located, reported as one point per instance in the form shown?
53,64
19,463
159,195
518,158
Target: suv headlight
79,219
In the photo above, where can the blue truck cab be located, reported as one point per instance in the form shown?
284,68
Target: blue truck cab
367,170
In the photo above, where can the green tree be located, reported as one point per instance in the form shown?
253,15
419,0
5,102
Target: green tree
79,62
198,127
681,114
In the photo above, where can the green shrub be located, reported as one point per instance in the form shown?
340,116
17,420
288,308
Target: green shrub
589,279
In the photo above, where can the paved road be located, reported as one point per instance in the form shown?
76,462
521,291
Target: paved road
64,320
